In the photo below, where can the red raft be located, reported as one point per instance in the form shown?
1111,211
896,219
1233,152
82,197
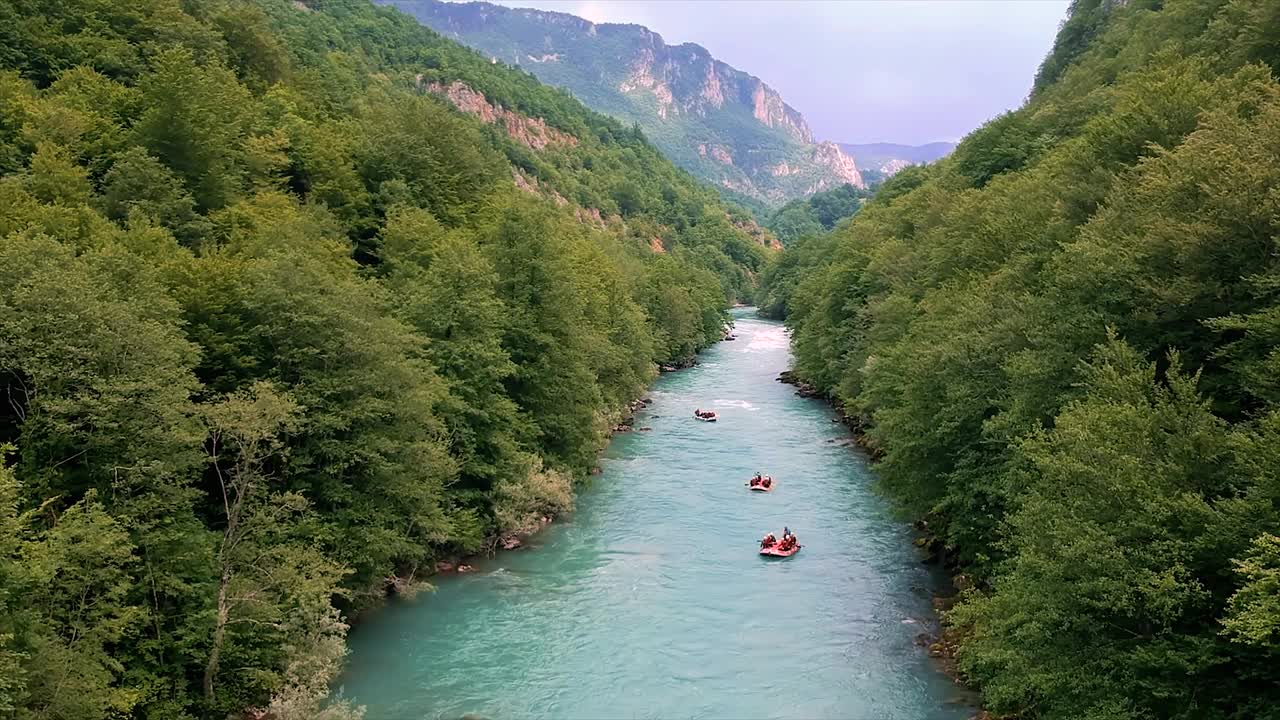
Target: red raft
761,486
773,551
708,416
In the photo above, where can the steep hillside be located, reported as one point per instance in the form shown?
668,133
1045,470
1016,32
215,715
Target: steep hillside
298,297
1062,342
817,213
885,159
721,124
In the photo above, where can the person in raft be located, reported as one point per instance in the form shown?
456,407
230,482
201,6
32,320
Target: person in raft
756,480
768,541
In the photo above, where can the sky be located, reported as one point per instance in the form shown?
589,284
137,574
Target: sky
908,71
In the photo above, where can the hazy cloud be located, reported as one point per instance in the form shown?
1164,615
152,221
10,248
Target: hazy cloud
863,70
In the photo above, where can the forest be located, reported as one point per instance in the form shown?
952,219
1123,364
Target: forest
816,213
280,326
1061,342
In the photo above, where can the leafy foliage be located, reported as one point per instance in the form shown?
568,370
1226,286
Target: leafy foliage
277,327
817,213
1061,338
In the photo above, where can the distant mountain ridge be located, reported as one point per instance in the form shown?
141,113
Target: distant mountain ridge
889,158
721,124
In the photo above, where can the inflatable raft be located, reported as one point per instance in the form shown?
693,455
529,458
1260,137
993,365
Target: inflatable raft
773,551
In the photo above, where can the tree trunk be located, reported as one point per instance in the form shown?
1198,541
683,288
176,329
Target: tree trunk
219,634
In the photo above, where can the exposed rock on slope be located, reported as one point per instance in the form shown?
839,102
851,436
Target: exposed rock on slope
723,125
532,132
889,158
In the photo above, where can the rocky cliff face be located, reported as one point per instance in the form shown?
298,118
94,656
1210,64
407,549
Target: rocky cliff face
723,125
532,132
829,155
770,110
889,158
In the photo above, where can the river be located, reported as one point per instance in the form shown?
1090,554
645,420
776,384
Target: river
651,602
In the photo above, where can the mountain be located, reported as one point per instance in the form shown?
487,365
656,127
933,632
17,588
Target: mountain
719,123
889,158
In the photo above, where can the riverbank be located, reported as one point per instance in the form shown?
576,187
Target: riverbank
621,421
516,539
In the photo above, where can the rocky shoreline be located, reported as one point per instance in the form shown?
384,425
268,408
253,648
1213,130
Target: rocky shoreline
628,421
856,423
684,364
942,645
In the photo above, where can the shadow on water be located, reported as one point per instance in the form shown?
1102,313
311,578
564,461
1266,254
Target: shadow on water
651,600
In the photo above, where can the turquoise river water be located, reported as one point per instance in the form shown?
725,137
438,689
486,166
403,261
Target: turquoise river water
650,601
